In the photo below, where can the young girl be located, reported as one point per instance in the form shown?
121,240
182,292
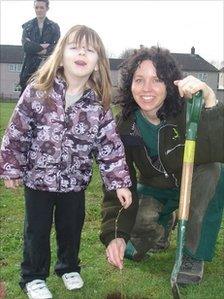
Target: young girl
60,123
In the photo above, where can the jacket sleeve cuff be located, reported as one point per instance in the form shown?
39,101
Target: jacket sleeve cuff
107,238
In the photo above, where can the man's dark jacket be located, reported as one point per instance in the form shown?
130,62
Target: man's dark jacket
31,41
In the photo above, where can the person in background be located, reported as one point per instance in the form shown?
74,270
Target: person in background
39,38
61,122
152,126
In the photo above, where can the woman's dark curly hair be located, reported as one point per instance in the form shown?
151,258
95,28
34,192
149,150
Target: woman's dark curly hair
167,70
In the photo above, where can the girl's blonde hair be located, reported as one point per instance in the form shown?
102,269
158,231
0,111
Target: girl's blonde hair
99,80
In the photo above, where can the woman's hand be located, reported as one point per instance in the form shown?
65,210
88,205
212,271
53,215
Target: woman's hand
115,252
190,85
125,197
12,184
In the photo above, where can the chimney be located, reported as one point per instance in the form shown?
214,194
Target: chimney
193,50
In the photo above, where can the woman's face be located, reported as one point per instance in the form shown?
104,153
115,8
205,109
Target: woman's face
148,90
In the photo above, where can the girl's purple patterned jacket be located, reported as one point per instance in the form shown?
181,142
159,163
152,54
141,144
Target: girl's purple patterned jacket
53,150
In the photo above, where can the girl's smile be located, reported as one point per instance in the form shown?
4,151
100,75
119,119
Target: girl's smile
80,62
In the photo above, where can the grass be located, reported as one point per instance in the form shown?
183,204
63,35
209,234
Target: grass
147,279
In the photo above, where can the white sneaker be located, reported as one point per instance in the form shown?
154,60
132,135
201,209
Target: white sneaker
37,289
72,281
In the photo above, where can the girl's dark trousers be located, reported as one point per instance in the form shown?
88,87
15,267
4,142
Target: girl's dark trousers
67,210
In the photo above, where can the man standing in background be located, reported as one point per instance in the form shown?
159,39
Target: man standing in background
39,38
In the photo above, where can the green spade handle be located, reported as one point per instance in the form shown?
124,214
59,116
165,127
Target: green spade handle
194,106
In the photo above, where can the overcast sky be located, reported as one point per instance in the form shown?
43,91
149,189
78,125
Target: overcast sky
176,25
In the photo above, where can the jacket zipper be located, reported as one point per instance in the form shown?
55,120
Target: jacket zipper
165,172
149,159
175,179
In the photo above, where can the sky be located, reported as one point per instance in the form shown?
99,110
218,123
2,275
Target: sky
176,25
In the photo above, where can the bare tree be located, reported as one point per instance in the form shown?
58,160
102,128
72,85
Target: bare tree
126,53
217,63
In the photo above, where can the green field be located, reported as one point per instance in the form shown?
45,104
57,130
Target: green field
147,279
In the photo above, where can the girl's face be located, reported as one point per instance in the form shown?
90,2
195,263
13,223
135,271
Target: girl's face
148,90
79,60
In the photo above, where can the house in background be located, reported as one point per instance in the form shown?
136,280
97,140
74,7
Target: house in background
115,64
11,62
190,64
10,67
221,78
194,64
220,91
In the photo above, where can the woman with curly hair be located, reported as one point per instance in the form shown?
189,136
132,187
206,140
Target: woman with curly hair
152,125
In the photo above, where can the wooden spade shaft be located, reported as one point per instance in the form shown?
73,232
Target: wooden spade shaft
186,181
192,118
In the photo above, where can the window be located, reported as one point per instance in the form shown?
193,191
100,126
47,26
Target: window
15,68
221,81
202,76
17,87
185,74
11,67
